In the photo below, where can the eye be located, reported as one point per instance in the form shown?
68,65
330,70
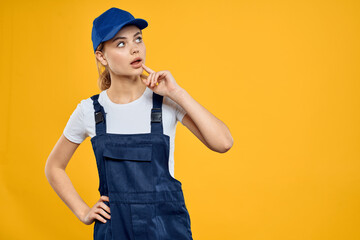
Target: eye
140,38
136,39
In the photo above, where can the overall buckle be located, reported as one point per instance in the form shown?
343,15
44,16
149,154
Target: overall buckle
156,116
99,117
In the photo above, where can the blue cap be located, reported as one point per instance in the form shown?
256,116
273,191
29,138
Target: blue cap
110,22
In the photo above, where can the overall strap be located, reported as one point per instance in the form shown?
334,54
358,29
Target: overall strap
156,114
99,113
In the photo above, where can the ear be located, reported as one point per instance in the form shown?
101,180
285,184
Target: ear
100,56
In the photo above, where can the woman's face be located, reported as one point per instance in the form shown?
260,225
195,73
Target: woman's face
122,49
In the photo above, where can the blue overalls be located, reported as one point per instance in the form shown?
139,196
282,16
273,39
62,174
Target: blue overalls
145,201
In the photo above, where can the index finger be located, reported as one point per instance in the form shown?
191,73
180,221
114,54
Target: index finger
148,70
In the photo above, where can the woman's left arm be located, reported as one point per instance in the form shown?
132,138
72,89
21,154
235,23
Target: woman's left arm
204,125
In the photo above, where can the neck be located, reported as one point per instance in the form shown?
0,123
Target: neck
125,89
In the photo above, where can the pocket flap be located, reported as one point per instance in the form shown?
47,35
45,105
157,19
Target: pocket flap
140,152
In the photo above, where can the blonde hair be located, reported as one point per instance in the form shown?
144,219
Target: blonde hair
104,80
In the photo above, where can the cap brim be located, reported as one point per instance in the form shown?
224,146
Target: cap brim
140,23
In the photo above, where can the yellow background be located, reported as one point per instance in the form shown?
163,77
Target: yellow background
282,75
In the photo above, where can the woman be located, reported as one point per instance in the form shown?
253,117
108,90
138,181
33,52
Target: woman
132,128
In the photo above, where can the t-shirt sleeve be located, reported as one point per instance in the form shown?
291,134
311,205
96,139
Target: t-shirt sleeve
74,130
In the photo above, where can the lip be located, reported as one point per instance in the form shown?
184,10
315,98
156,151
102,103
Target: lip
135,59
136,65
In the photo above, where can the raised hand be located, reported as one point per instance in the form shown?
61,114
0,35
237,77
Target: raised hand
162,82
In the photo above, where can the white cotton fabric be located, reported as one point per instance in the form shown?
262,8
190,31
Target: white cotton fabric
129,118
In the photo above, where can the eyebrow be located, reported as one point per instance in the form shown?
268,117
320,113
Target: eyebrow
119,37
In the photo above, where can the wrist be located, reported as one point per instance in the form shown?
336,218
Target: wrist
82,214
177,94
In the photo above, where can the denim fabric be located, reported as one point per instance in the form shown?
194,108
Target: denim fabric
145,201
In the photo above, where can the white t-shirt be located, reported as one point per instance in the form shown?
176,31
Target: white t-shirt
129,118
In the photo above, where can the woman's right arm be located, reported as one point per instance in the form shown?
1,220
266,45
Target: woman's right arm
60,182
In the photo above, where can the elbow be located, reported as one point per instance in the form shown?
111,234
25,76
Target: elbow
51,174
47,171
227,145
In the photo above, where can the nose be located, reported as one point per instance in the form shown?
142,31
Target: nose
135,49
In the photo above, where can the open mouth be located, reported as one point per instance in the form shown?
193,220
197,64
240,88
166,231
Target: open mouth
136,62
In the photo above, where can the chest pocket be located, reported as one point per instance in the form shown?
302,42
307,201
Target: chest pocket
129,168
141,152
